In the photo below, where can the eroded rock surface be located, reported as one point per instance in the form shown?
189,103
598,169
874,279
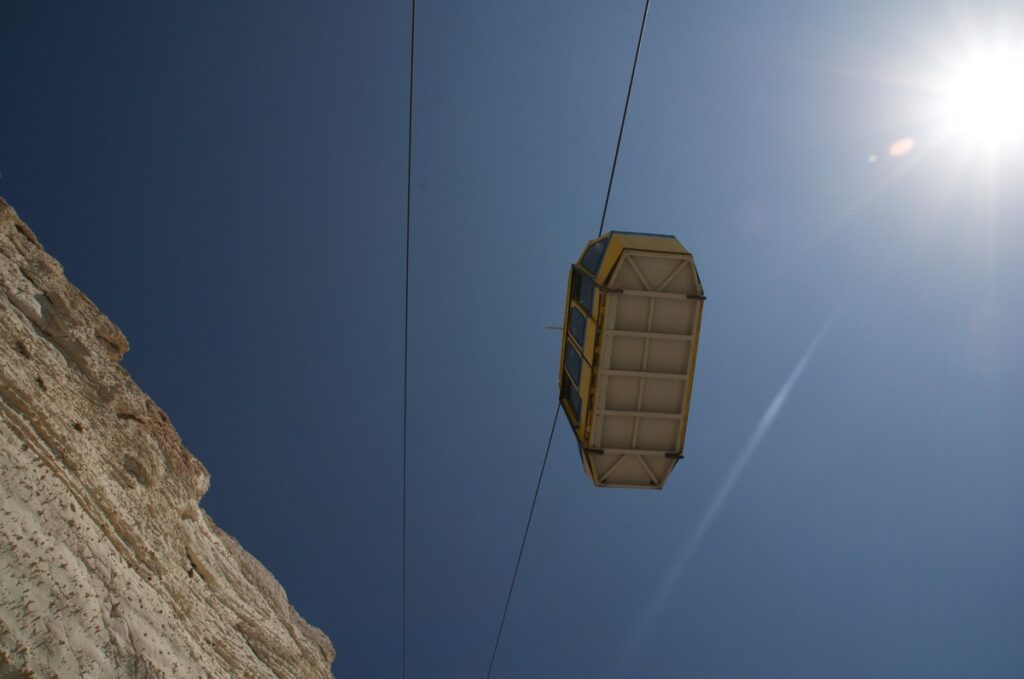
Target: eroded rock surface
108,567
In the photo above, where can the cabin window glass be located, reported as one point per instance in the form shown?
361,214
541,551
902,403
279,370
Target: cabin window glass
573,363
587,294
581,289
573,397
578,326
593,256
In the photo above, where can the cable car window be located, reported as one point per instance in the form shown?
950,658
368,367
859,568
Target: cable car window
573,363
587,294
593,256
578,326
573,397
582,290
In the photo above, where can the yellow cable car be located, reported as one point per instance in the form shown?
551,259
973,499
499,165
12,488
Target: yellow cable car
629,346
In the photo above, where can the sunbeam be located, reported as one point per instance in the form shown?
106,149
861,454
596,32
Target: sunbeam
687,552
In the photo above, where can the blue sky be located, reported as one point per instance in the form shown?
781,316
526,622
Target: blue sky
227,182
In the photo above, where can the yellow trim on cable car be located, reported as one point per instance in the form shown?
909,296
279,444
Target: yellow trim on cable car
637,298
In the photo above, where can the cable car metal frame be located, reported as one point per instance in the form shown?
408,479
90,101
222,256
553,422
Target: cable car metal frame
629,347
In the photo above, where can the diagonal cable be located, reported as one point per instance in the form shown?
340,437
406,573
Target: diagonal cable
625,110
547,450
522,545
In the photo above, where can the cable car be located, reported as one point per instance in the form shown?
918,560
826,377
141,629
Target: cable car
629,346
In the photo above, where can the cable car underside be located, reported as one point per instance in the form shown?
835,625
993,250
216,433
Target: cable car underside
629,346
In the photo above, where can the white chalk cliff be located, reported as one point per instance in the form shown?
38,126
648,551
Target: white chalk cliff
108,567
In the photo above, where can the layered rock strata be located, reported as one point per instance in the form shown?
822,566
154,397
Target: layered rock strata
108,567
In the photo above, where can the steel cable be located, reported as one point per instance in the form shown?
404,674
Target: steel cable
522,545
547,450
625,110
405,352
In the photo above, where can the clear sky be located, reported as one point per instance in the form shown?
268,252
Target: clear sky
227,182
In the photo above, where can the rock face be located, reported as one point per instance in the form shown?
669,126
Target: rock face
108,567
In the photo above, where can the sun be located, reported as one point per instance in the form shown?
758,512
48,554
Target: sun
982,102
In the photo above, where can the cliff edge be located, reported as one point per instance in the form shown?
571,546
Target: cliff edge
108,567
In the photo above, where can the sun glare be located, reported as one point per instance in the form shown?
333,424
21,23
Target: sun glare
983,100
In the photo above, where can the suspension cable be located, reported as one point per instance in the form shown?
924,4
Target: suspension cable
625,110
405,352
554,421
522,545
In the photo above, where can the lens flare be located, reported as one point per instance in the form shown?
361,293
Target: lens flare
689,549
901,147
983,100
